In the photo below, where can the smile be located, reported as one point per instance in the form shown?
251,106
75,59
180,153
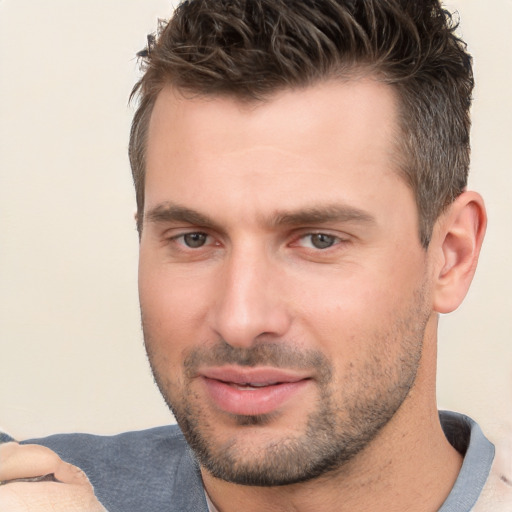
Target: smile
254,391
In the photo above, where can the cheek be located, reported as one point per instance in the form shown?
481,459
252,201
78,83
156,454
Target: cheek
359,314
174,306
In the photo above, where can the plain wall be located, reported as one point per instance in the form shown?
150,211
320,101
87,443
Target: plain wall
71,356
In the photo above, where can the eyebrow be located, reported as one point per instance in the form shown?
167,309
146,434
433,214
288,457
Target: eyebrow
322,215
171,212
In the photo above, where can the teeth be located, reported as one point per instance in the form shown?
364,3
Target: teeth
250,385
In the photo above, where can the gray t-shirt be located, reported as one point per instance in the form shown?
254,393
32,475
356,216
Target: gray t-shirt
467,438
154,470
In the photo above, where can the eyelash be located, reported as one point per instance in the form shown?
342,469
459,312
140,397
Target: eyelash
333,239
182,236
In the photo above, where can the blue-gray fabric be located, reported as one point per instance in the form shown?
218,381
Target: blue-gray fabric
154,470
5,438
478,457
146,471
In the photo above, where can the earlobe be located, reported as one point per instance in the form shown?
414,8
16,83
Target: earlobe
460,233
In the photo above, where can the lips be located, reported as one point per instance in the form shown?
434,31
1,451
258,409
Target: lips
253,391
252,385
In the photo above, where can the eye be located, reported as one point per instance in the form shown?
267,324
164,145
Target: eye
194,240
319,241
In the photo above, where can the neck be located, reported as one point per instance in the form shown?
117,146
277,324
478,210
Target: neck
418,476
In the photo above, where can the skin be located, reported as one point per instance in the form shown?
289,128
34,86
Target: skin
261,292
68,491
241,178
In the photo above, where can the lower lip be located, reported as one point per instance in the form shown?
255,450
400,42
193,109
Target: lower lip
252,402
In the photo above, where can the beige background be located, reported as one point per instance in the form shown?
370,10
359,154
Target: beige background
71,356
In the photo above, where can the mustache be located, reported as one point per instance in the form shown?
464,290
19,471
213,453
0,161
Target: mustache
278,355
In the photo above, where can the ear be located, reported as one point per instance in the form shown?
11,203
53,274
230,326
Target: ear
458,237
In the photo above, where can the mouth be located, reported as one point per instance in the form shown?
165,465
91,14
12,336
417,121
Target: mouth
251,385
253,391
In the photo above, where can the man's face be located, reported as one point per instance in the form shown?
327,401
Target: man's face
283,287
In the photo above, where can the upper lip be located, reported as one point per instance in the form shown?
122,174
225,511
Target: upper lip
259,375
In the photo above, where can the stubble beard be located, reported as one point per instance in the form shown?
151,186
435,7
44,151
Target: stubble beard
347,416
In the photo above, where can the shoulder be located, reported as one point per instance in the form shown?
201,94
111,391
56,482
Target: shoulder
141,470
160,445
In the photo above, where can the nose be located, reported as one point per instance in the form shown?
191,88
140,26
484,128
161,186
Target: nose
249,302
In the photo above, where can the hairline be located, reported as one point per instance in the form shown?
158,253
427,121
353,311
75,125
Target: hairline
400,157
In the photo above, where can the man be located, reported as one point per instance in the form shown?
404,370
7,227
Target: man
300,171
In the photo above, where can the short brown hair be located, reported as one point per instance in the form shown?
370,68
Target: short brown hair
249,49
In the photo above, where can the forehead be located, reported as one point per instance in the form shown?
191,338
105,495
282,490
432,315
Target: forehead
364,106
328,139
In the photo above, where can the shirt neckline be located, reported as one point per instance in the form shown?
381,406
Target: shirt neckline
467,437
476,466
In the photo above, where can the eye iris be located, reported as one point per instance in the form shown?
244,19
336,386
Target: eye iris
322,241
195,240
